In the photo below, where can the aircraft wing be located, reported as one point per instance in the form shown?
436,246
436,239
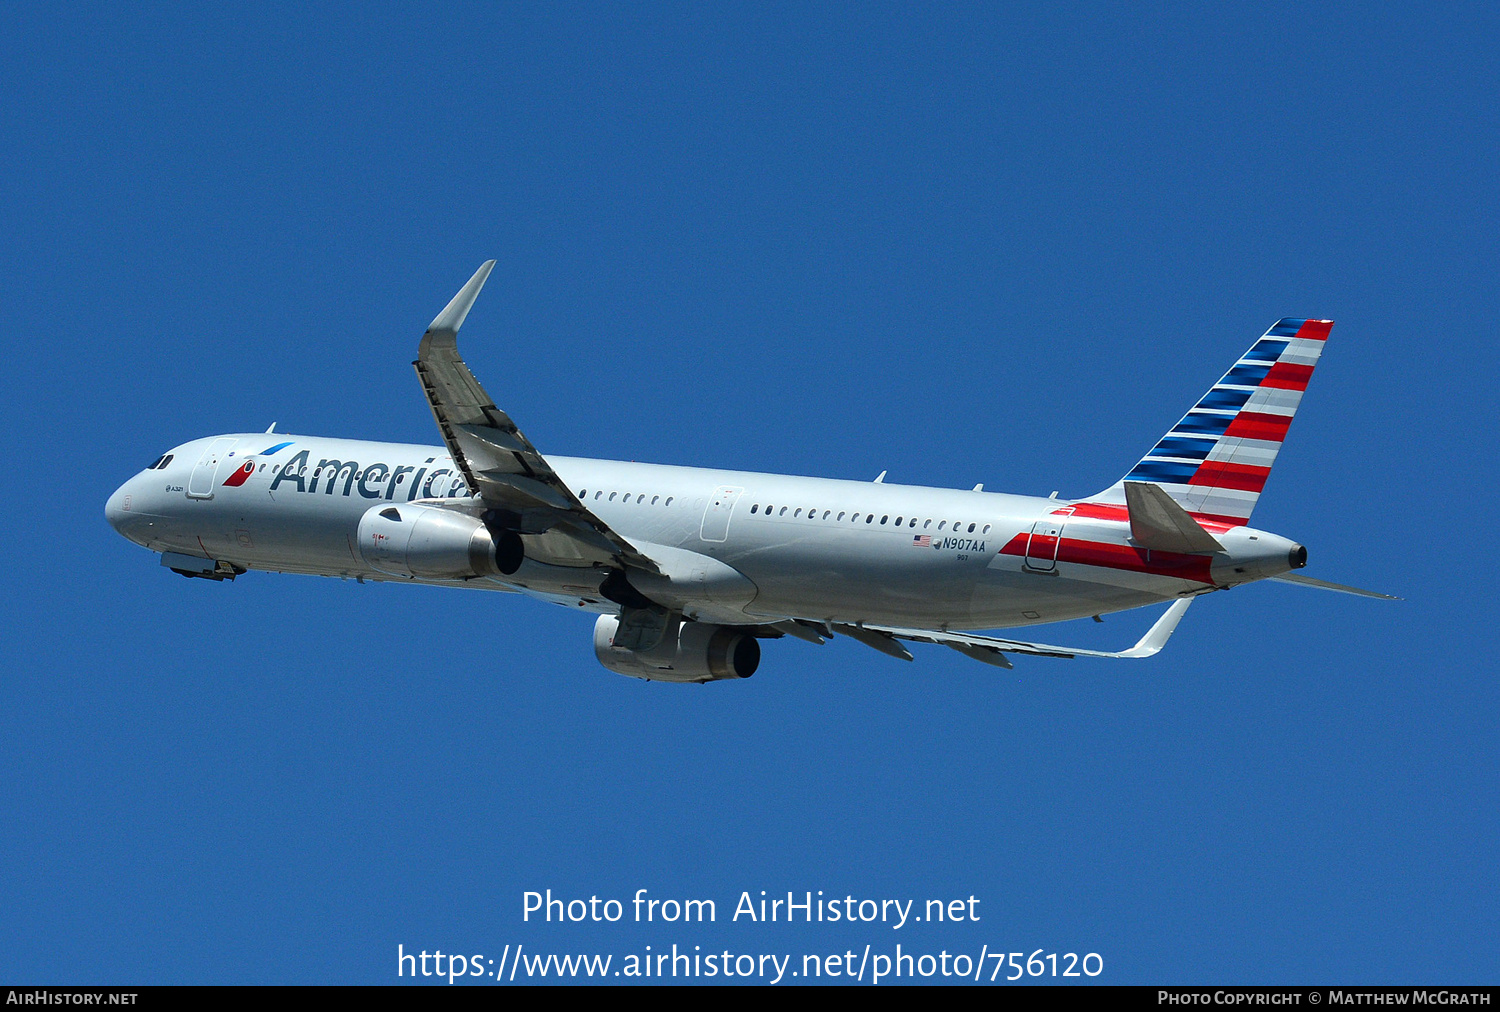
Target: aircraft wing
992,650
498,462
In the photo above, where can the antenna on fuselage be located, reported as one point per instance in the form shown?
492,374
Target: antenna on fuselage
880,478
979,487
272,428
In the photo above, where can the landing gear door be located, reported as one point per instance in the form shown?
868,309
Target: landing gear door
201,484
1046,537
716,516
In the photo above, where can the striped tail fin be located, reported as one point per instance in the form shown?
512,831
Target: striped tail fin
1215,461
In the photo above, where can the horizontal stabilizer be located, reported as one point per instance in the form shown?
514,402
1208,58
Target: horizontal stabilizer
1307,581
882,639
1158,522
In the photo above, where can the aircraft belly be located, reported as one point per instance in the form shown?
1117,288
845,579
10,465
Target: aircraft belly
843,579
1008,600
854,580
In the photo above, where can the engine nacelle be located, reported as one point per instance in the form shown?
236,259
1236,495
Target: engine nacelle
688,652
425,542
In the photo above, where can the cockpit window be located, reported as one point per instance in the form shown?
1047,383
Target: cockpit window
161,462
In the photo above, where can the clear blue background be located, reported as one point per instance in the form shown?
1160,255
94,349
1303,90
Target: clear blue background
960,243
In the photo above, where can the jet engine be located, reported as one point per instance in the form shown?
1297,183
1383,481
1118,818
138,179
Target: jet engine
688,652
426,542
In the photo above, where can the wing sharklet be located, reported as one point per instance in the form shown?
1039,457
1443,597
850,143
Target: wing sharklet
453,314
497,461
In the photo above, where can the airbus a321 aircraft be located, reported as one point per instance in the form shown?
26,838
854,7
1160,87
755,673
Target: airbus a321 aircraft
688,568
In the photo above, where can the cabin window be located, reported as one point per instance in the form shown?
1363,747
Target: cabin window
986,529
913,522
668,502
854,518
869,518
612,496
783,512
583,494
942,524
753,509
971,528
926,524
797,512
898,521
825,514
841,514
655,499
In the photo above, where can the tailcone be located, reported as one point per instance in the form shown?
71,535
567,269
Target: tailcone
1251,555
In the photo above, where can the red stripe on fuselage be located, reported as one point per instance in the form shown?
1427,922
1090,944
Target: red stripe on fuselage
1258,425
1217,523
1126,557
1212,522
1095,511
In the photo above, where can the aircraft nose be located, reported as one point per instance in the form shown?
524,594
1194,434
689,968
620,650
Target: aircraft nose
126,512
117,508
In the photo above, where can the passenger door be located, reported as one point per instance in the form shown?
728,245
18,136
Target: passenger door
201,483
1041,547
716,516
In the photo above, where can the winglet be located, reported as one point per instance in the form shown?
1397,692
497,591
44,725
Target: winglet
1156,637
453,314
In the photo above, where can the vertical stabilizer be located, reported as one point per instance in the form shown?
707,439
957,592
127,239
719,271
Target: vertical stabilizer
1215,461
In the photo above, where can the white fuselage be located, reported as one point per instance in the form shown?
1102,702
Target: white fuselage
765,547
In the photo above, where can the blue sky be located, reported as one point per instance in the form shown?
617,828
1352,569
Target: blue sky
995,243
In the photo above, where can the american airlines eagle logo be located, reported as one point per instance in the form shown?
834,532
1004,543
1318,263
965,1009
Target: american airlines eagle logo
241,473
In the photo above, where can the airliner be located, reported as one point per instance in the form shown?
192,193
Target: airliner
688,569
